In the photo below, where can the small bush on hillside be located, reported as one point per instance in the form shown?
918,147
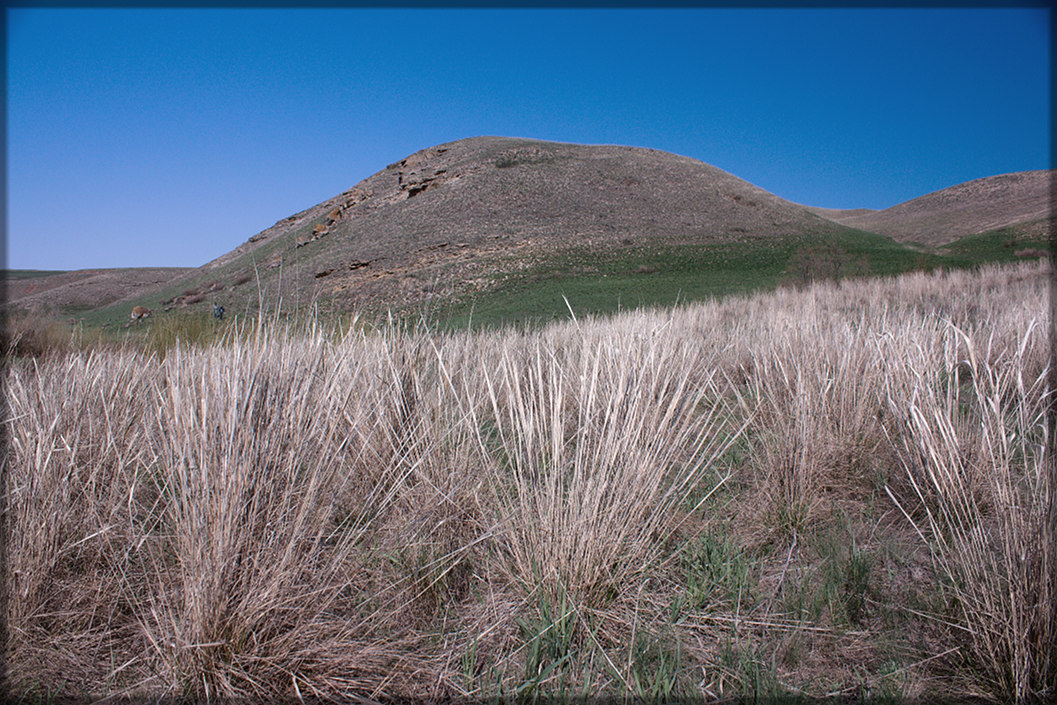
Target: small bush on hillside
811,264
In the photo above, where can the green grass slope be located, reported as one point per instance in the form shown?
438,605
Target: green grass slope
634,277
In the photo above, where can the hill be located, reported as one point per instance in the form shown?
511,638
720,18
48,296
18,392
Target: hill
1020,202
508,229
453,220
84,290
462,221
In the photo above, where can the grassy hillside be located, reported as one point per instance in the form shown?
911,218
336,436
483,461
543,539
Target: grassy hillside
1004,201
1001,245
497,230
633,277
505,230
454,220
838,491
534,288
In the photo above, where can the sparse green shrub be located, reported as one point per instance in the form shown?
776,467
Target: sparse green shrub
656,674
551,642
855,585
843,582
717,573
749,676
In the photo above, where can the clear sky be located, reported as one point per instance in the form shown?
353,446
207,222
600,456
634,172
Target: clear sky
152,137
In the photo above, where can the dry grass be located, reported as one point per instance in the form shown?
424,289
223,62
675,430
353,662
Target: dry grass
599,443
977,457
39,335
672,503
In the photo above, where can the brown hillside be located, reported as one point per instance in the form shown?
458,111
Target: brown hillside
86,289
1023,199
438,221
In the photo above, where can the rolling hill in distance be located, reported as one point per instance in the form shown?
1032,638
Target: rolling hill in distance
1022,200
507,229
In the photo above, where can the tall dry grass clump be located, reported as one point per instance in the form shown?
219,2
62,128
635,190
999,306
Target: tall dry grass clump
254,551
817,431
196,527
594,448
984,498
77,442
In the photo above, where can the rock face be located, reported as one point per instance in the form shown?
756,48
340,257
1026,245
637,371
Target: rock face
1023,200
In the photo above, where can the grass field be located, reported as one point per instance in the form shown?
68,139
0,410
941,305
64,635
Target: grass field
841,489
606,282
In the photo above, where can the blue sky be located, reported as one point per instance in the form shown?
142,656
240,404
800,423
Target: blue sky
151,137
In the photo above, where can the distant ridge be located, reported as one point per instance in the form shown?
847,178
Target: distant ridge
1021,200
88,289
